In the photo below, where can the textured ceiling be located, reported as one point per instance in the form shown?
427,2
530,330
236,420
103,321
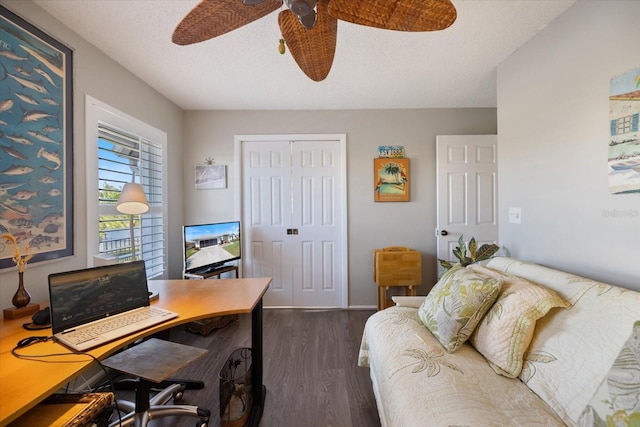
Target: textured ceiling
372,68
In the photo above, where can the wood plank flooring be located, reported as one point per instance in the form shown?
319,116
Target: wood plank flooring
310,369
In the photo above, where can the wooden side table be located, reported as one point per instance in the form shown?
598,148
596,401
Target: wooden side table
396,266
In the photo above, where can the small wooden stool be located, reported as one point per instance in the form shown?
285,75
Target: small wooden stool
396,266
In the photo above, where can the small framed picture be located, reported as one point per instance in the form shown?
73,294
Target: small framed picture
391,178
211,177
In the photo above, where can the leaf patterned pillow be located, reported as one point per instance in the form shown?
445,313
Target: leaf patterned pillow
456,304
505,333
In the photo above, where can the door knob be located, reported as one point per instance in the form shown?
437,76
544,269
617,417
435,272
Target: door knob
444,233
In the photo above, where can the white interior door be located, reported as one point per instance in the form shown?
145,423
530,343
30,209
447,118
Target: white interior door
467,195
316,198
266,202
293,199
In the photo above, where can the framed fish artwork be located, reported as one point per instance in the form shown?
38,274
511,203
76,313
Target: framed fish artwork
36,142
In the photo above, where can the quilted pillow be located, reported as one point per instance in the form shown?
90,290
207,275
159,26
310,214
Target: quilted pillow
456,304
505,333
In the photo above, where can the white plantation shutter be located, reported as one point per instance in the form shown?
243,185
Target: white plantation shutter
123,157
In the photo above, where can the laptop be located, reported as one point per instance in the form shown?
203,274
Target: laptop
93,306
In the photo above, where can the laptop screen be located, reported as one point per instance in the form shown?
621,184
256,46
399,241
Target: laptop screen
82,296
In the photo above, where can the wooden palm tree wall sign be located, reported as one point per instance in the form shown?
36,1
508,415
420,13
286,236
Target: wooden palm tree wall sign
391,178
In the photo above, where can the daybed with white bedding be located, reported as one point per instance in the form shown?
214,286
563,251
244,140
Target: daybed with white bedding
547,348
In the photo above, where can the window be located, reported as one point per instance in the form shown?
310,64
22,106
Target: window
121,149
625,125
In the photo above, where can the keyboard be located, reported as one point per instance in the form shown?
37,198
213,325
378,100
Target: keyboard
115,327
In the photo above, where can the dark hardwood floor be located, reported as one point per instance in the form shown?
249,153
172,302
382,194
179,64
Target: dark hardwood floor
310,369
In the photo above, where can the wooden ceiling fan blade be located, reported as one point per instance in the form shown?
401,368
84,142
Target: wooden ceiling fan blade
211,18
314,49
399,15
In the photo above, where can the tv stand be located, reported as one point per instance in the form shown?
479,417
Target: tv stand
215,272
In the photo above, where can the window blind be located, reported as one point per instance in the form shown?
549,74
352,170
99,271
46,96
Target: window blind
124,157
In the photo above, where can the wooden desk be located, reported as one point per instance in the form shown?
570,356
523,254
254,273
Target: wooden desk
25,383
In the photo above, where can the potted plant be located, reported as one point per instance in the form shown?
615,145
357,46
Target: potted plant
471,254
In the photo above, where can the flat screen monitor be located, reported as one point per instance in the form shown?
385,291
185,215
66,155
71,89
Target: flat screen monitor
207,247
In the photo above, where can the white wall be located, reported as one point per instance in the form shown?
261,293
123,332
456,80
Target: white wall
370,225
99,76
553,131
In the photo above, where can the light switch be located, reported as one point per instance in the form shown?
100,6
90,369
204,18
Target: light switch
515,215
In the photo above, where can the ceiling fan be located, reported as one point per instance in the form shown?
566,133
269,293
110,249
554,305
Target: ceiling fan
310,27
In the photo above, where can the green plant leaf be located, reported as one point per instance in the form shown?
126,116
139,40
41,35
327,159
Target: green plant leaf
486,251
457,252
462,248
445,264
472,248
473,254
466,261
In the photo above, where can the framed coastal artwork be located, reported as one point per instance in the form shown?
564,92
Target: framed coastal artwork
211,177
36,128
624,143
391,179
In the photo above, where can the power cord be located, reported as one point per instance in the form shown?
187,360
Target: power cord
32,326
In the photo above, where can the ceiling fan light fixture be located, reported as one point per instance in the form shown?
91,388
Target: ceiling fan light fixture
308,21
301,7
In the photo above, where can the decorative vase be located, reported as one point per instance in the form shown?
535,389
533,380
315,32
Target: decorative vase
22,297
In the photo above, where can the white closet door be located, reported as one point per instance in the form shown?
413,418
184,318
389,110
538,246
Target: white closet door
266,205
316,201
292,204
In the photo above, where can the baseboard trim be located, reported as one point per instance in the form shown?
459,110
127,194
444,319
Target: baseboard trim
363,307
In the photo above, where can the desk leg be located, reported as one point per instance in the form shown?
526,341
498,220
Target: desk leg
259,390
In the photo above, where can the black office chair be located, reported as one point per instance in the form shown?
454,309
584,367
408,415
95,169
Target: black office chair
152,363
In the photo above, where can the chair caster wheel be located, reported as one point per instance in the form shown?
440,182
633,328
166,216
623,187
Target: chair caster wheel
178,395
202,424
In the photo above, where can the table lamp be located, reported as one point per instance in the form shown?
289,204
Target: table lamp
132,201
